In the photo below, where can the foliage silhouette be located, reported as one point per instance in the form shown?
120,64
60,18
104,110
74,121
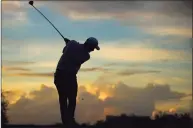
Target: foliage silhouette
123,121
4,108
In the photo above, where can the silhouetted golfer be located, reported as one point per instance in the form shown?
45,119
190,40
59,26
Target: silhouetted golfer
74,54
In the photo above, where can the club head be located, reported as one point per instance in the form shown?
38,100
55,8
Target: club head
31,3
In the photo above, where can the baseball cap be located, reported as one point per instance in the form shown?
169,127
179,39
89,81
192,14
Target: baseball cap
93,41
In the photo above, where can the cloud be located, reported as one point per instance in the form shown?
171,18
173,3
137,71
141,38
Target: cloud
29,73
178,104
85,107
13,95
106,77
11,6
21,63
144,14
45,64
110,64
38,48
43,103
5,68
130,64
139,101
26,66
185,32
105,81
133,72
13,13
117,8
32,74
33,110
94,69
33,50
129,51
23,70
140,54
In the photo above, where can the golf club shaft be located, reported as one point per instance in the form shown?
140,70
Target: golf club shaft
49,22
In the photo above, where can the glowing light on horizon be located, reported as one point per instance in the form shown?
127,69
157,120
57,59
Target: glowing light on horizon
103,96
172,110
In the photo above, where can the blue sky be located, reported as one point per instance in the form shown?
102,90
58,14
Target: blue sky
38,27
150,44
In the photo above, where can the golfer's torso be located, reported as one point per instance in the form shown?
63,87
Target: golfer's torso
73,56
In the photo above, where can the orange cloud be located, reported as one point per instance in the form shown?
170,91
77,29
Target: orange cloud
125,100
103,95
98,92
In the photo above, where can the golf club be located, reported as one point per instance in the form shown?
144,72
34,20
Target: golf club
32,4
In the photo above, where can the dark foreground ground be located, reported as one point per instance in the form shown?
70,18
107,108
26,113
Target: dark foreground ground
123,121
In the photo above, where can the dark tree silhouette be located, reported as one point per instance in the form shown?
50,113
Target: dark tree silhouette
124,121
4,108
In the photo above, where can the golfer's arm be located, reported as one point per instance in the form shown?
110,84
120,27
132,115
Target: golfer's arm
66,40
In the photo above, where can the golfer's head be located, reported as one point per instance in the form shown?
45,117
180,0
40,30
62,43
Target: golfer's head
92,43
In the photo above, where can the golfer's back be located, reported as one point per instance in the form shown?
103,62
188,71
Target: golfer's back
74,54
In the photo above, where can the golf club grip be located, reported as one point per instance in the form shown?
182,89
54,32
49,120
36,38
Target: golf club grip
49,22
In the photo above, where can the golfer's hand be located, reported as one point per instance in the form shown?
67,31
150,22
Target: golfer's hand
66,40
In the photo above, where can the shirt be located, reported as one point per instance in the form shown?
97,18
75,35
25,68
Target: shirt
74,54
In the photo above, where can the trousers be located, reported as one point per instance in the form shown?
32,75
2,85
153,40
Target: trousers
66,85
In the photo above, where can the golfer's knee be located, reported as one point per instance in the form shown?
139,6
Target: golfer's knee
72,101
62,98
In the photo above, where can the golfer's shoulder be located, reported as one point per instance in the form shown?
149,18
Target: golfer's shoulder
74,42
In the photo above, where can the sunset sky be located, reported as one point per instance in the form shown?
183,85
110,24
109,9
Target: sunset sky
145,61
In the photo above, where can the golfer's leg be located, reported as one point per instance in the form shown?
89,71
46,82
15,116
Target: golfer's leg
72,107
72,99
63,107
60,83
